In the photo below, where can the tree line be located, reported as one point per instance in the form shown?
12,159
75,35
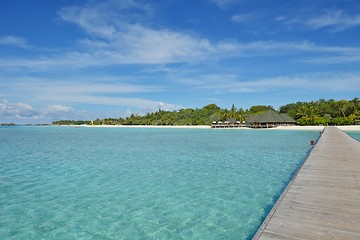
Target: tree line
325,112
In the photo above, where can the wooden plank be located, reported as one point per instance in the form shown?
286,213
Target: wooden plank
323,200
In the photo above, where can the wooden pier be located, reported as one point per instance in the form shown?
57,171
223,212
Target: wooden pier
323,199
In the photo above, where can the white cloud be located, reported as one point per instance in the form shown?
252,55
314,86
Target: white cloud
223,4
346,58
334,20
117,38
280,18
323,54
58,108
26,113
105,18
146,46
14,111
71,89
107,91
114,101
163,46
320,82
14,40
114,39
91,20
168,107
244,18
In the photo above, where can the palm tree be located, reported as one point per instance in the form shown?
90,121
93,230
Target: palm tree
301,112
340,107
225,114
354,106
313,111
232,113
241,115
308,112
238,115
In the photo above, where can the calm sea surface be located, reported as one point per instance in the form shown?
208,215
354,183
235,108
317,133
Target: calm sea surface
129,183
354,134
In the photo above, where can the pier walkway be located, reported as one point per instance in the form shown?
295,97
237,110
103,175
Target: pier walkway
323,200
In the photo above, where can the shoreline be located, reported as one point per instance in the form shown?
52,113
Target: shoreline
138,126
349,128
313,128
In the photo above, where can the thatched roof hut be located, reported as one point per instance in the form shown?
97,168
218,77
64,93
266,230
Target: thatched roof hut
271,118
287,118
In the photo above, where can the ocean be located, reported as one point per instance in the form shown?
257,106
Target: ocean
136,183
354,134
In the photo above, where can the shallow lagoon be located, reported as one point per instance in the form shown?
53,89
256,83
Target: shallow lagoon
354,134
129,183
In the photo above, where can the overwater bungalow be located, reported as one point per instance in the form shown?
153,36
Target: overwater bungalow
229,123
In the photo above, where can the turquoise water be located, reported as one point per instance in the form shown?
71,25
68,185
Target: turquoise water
354,134
128,183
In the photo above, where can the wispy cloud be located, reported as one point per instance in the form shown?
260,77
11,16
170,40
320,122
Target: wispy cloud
97,91
321,82
126,55
223,4
334,20
353,57
14,41
117,34
17,110
25,113
146,46
121,39
84,85
244,18
280,18
104,18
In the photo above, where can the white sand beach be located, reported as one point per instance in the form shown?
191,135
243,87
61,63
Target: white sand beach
349,128
316,128
144,126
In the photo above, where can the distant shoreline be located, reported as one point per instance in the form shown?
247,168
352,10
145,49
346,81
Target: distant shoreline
315,128
137,126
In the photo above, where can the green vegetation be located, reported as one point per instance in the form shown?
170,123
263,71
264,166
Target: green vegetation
71,122
323,112
7,124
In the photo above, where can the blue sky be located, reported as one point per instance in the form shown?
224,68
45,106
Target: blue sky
77,59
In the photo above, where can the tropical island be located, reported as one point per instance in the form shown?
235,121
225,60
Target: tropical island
314,113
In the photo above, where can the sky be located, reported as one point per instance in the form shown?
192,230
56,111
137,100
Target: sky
88,59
